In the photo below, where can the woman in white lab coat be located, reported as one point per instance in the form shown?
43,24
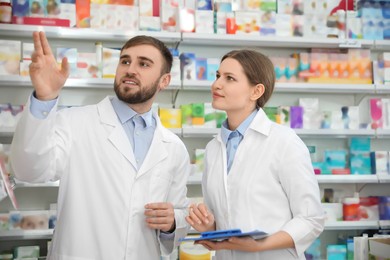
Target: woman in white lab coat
113,202
258,174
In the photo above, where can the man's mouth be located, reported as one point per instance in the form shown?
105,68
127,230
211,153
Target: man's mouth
130,82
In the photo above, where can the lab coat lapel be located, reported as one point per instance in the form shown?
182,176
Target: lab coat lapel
119,139
116,134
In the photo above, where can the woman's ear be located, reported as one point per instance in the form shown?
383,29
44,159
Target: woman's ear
257,91
165,80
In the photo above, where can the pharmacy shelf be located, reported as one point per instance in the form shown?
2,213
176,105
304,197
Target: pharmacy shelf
384,178
325,88
334,225
348,178
200,132
382,89
18,234
20,184
273,41
335,133
205,85
339,225
7,131
88,34
84,34
382,45
383,133
384,224
93,83
351,225
196,178
201,85
6,134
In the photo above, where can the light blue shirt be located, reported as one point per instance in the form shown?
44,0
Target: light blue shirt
139,128
232,139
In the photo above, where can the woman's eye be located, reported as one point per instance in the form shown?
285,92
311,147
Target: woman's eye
229,78
125,62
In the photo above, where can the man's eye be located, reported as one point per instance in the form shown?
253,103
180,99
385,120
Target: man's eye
125,62
144,64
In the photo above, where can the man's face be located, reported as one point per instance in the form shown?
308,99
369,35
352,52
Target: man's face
138,75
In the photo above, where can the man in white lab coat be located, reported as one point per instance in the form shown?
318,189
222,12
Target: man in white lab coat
122,175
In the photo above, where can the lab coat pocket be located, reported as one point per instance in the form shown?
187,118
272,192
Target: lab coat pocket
159,187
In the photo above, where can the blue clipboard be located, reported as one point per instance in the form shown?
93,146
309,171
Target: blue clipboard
221,235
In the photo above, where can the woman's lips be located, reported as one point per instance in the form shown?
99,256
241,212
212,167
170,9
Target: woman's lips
216,95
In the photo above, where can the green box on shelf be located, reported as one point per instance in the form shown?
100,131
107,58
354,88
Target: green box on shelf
197,110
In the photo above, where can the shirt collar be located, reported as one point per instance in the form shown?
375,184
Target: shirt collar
125,113
225,132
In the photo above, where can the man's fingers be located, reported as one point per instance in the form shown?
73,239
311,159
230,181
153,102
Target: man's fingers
37,43
158,205
65,67
161,220
157,213
45,44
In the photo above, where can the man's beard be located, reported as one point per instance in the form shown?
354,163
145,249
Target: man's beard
142,95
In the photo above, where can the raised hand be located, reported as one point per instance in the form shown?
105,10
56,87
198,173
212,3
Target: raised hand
46,75
200,218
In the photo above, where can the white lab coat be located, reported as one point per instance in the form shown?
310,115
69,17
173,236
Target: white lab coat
271,187
102,195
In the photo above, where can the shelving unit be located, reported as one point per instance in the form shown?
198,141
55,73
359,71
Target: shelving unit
77,91
93,83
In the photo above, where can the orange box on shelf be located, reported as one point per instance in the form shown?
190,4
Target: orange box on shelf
83,13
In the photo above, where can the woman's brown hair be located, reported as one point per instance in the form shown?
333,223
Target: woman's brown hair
258,68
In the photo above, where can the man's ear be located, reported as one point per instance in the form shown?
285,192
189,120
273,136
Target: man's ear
165,80
257,92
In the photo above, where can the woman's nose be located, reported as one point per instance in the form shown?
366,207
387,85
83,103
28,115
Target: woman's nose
216,84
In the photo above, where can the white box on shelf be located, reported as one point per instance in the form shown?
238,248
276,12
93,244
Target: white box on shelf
379,246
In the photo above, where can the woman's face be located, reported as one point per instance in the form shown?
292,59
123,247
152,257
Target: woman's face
231,91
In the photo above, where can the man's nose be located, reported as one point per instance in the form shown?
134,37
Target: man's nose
132,68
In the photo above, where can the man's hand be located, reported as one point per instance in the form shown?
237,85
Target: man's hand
46,75
160,215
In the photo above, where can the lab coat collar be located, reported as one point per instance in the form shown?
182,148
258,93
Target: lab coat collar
119,139
261,124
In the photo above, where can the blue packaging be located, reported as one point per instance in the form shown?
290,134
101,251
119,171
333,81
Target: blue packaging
336,252
384,207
